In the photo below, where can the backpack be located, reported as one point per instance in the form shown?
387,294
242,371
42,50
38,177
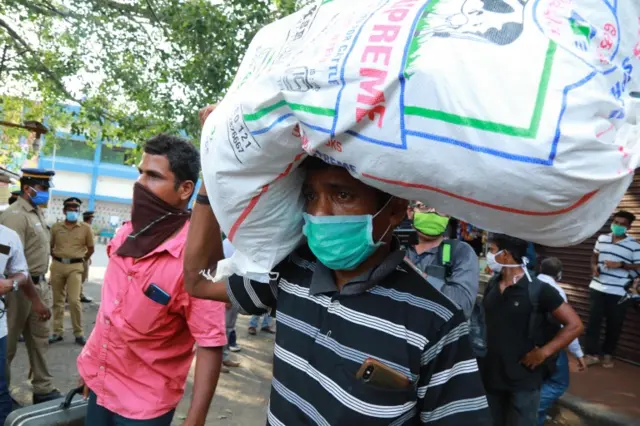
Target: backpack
478,329
542,328
444,268
477,322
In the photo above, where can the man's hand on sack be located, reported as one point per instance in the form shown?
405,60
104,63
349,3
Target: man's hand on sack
204,113
43,311
534,358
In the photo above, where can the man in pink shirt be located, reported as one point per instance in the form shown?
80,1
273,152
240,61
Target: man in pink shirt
136,361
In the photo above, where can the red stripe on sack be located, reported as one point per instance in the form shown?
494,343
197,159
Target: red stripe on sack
574,206
247,210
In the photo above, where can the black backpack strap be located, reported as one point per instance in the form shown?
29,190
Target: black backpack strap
445,257
534,287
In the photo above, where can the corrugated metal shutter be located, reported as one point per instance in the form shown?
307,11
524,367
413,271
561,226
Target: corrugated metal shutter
576,276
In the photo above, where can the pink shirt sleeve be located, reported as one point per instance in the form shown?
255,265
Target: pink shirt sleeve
206,321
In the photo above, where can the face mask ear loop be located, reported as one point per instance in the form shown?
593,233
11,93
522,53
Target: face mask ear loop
525,262
385,233
380,211
384,207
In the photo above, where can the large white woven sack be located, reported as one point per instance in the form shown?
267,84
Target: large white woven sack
512,115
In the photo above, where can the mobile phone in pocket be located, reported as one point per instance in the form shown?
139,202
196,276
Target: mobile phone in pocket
157,294
376,373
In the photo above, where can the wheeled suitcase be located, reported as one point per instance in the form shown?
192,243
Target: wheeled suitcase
68,411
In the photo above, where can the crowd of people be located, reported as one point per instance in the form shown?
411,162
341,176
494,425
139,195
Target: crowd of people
368,332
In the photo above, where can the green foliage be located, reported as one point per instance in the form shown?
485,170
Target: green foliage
419,38
137,67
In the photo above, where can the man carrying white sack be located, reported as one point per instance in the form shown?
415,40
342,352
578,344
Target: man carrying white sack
362,338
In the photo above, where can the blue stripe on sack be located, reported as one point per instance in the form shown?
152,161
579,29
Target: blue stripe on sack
272,125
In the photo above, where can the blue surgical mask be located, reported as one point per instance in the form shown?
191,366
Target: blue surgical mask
341,243
72,216
41,198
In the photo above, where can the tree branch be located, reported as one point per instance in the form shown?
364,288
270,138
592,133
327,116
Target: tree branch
20,41
4,57
121,7
43,68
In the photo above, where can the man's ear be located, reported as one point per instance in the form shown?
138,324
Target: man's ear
186,190
508,257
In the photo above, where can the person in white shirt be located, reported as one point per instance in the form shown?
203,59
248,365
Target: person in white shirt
614,264
556,385
14,276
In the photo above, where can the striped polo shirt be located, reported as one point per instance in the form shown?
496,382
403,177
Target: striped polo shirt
390,314
612,281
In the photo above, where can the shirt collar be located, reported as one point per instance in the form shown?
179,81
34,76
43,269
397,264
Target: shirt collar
546,278
25,204
173,245
523,281
323,281
626,238
432,251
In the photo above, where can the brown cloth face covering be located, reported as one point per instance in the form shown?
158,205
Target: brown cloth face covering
153,222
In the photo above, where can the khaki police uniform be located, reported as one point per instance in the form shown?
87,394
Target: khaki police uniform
85,274
69,246
87,216
29,223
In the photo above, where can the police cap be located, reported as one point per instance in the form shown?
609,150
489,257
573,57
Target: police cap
37,177
72,201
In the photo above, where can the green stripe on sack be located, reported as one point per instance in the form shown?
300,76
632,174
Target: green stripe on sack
490,126
296,107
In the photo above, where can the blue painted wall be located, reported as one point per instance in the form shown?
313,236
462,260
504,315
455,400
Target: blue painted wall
93,168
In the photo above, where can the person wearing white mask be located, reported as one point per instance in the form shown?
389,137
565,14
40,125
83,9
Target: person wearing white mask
556,385
519,350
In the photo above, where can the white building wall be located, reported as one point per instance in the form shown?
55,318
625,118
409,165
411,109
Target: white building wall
72,182
106,210
108,186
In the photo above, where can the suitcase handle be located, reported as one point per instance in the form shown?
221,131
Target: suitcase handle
67,399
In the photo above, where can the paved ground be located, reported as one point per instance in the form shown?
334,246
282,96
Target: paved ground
242,394
615,388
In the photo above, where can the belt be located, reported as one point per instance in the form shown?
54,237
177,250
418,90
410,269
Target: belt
68,261
37,278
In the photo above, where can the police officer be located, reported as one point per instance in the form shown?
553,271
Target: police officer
13,197
14,276
87,217
71,247
26,218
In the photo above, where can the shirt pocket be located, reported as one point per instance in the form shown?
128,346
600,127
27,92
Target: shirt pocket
370,404
141,313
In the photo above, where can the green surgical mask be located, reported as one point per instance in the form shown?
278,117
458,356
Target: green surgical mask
342,243
431,224
618,230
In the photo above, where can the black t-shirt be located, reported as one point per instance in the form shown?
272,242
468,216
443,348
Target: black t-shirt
507,320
